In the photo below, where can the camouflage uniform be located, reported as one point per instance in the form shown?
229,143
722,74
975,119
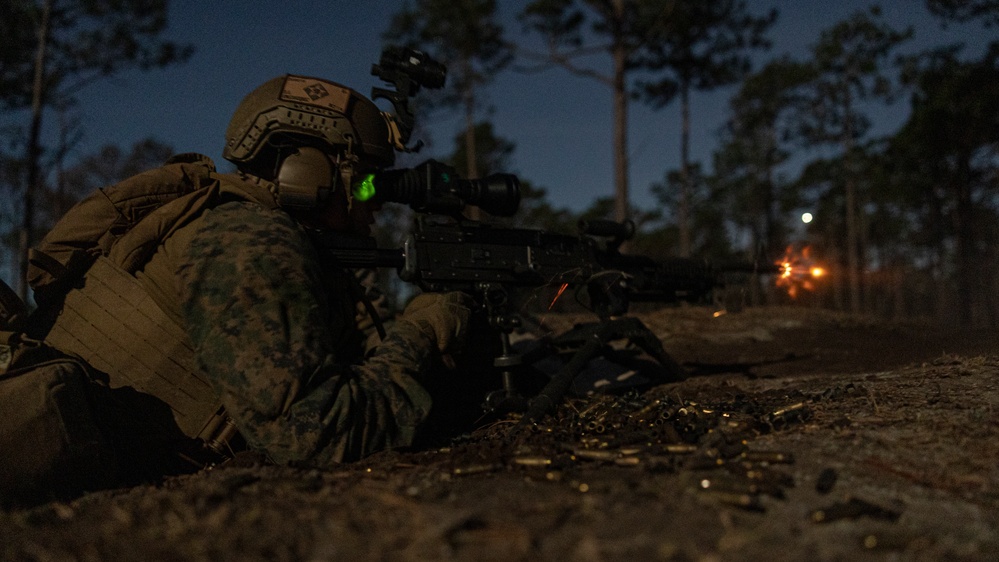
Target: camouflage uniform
274,332
202,294
264,326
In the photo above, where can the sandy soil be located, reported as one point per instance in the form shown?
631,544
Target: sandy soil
801,434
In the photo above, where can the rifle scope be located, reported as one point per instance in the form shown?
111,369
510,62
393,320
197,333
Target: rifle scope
433,187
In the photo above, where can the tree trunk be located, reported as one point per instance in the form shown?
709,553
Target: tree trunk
622,211
684,212
850,202
471,146
968,267
34,152
852,241
773,240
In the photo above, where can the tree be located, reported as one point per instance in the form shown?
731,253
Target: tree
820,186
494,155
847,61
75,42
710,219
703,46
465,36
948,153
577,29
756,141
965,10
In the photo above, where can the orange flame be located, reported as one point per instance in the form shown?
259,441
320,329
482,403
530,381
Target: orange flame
798,271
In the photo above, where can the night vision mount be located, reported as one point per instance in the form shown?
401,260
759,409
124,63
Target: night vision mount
407,70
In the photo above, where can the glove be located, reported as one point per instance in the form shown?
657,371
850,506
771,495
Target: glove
441,316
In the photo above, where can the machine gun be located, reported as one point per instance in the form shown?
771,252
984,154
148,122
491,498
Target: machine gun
447,252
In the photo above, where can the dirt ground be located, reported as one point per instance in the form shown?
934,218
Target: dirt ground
801,434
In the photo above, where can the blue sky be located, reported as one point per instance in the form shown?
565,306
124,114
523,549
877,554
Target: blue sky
560,123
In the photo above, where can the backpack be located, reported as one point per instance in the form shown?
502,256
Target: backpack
51,443
94,225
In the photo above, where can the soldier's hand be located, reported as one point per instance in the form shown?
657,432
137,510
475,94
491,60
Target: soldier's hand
442,316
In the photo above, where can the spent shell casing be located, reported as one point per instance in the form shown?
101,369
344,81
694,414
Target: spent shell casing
628,461
768,476
681,448
797,406
773,457
476,469
595,455
666,414
641,413
589,409
532,461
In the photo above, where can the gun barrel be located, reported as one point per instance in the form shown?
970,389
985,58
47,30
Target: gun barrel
748,267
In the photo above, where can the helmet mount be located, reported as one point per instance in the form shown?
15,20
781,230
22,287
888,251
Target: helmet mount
406,70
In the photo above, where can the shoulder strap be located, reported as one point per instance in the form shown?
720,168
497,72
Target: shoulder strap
13,311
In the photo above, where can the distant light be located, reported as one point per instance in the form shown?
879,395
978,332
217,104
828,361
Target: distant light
806,218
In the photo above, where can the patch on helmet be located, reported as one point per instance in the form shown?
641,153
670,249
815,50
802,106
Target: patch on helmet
318,93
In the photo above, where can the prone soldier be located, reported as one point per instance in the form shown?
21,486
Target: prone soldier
207,322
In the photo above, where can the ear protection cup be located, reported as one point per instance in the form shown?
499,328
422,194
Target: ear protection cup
305,179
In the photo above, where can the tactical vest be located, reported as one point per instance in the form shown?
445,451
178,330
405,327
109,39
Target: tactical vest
92,306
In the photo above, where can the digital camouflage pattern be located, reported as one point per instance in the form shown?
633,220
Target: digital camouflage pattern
274,331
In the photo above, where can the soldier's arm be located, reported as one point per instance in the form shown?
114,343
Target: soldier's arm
252,297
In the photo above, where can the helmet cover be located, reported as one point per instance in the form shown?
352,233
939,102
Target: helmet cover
306,111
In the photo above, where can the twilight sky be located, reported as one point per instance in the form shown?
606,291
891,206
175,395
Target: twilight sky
560,123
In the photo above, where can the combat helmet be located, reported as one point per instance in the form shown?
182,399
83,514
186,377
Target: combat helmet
305,134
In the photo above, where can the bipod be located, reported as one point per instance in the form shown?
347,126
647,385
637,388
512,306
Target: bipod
506,399
591,340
